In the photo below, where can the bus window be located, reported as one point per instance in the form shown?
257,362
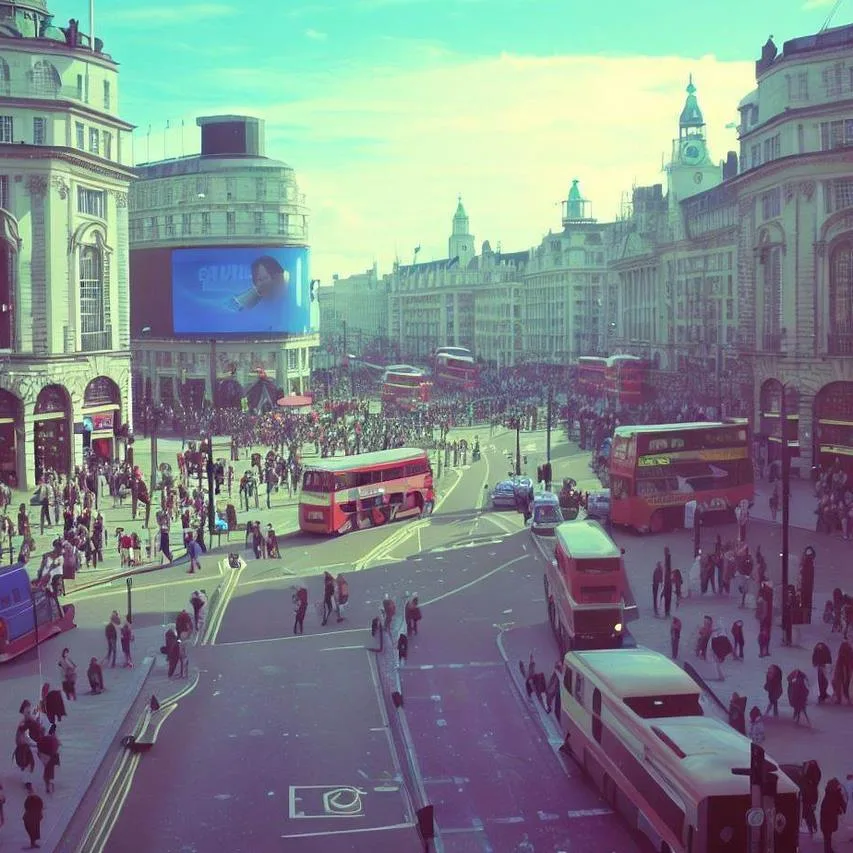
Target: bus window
317,481
567,680
620,487
678,705
596,714
579,689
592,566
392,473
348,480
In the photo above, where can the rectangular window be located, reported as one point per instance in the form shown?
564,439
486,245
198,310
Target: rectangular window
260,189
4,192
801,139
186,224
803,86
90,202
39,130
259,222
282,224
755,156
170,225
92,314
107,139
168,195
80,135
201,186
836,134
153,228
80,91
292,363
94,141
771,203
843,193
205,223
229,189
230,223
107,98
7,129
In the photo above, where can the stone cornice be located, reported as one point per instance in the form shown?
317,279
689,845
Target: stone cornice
79,159
66,105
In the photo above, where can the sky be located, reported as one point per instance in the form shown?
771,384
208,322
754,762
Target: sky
390,109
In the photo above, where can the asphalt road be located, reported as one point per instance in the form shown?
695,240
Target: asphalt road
285,743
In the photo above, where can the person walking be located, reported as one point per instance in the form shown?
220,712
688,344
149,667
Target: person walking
111,633
69,675
675,636
194,552
197,601
126,640
798,694
821,659
831,808
165,549
773,687
413,615
300,608
33,814
657,581
328,596
48,753
737,639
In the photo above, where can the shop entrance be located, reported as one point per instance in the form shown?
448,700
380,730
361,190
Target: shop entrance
52,432
11,417
101,419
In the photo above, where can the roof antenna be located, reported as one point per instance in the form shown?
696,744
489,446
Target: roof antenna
830,16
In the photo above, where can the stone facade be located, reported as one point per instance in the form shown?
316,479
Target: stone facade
65,167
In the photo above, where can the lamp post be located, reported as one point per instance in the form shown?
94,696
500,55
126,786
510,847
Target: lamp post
786,498
518,445
146,331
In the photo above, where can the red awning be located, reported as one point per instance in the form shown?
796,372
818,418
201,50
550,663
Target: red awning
295,401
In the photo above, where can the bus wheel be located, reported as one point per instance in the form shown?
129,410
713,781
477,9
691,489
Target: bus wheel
656,523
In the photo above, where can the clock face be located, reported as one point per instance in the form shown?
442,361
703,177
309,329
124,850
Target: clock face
691,152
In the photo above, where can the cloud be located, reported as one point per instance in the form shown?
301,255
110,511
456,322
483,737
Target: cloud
386,149
811,5
316,35
156,16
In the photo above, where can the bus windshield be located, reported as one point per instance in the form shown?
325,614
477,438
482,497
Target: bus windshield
653,707
547,513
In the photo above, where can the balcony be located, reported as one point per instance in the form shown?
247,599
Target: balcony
96,341
840,341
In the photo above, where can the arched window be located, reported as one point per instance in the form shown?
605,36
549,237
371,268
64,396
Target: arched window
5,87
94,332
771,275
44,79
841,298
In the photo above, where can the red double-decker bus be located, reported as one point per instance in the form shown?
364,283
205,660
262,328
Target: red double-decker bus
347,493
625,379
655,470
590,375
404,387
455,367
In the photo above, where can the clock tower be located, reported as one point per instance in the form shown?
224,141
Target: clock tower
461,242
691,169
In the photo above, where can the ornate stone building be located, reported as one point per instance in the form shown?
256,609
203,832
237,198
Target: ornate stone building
230,196
65,158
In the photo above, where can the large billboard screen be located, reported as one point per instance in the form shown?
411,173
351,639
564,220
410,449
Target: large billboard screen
262,290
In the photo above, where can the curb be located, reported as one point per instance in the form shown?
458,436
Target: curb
54,840
142,570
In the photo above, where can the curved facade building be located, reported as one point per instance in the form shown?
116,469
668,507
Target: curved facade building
64,300
203,228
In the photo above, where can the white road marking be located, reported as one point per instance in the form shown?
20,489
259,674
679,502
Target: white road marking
468,585
588,812
340,648
349,831
293,637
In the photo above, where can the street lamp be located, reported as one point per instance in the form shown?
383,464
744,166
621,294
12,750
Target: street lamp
152,428
786,499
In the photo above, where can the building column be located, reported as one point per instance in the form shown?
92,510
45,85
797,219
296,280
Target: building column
27,469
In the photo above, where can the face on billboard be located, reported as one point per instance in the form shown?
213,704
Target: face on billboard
237,291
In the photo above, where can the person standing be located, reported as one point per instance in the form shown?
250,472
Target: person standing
821,659
126,640
675,636
165,550
33,814
197,600
48,752
194,552
111,633
413,615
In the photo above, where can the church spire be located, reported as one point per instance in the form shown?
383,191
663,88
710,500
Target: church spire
691,115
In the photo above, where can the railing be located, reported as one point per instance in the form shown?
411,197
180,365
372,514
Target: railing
15,89
96,341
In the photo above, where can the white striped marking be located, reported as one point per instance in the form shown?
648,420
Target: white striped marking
588,812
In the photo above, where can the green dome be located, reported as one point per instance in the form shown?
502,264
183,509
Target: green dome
691,115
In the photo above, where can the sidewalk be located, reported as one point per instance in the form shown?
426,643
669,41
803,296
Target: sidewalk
786,742
87,733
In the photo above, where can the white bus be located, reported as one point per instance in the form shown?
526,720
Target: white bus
634,722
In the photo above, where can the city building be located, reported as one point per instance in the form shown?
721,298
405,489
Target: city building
356,313
223,306
65,167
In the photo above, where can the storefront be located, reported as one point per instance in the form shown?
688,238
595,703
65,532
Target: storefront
833,419
768,437
101,418
10,420
52,431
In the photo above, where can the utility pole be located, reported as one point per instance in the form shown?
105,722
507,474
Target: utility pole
211,502
786,499
213,373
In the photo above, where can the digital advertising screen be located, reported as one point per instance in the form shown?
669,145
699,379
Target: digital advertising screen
261,290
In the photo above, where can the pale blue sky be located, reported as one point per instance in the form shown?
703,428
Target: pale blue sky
389,108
